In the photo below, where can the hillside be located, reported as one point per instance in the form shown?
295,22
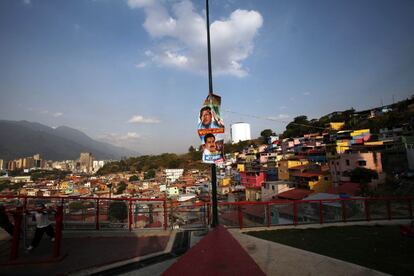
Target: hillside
23,138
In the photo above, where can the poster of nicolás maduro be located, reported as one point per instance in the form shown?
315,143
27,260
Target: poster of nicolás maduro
211,130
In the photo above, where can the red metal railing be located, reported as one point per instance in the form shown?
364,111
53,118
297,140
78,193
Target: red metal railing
95,213
282,212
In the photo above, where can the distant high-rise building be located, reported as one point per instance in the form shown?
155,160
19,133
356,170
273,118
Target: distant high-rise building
28,163
11,165
86,162
240,132
19,163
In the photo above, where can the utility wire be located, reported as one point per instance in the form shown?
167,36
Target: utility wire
271,119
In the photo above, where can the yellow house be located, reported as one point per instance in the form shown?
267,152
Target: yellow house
322,184
285,165
240,167
360,132
313,177
64,185
224,182
336,125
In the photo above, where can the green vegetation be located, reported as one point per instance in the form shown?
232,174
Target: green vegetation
378,247
149,174
6,184
133,178
75,206
265,135
400,114
363,176
238,147
121,187
118,211
48,175
301,126
146,163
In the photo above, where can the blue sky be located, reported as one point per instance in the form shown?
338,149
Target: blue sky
134,73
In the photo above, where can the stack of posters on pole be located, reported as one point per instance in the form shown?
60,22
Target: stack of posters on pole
211,130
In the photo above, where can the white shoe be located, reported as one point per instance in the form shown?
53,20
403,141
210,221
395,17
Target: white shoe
52,239
30,248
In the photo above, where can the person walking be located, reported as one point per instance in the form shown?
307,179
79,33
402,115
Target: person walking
42,225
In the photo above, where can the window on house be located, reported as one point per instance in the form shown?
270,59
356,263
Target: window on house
338,173
273,187
347,162
362,163
337,163
326,178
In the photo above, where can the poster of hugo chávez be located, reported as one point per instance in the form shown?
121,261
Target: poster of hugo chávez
211,130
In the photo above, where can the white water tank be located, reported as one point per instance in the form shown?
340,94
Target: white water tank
240,132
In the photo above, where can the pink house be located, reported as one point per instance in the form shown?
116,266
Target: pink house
347,162
253,179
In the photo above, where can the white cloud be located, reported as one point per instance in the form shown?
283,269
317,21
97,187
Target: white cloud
129,140
279,117
141,65
181,36
27,2
139,119
57,114
132,135
45,112
306,93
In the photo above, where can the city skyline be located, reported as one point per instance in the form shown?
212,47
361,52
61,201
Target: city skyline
134,73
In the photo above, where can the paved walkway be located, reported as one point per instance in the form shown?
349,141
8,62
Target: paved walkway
87,254
218,253
278,259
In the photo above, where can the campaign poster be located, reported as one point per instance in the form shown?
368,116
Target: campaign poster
211,130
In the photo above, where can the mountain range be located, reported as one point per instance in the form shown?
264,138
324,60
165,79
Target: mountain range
22,138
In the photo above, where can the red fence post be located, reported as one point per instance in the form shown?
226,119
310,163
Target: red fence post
165,214
58,235
208,213
389,209
343,211
295,213
410,206
268,215
130,216
240,216
16,233
97,215
320,212
367,215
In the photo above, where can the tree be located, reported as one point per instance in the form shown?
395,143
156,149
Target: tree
191,149
149,174
118,211
75,206
298,127
265,134
121,187
133,178
363,176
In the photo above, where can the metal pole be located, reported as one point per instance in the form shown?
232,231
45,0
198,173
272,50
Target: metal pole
210,75
214,222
